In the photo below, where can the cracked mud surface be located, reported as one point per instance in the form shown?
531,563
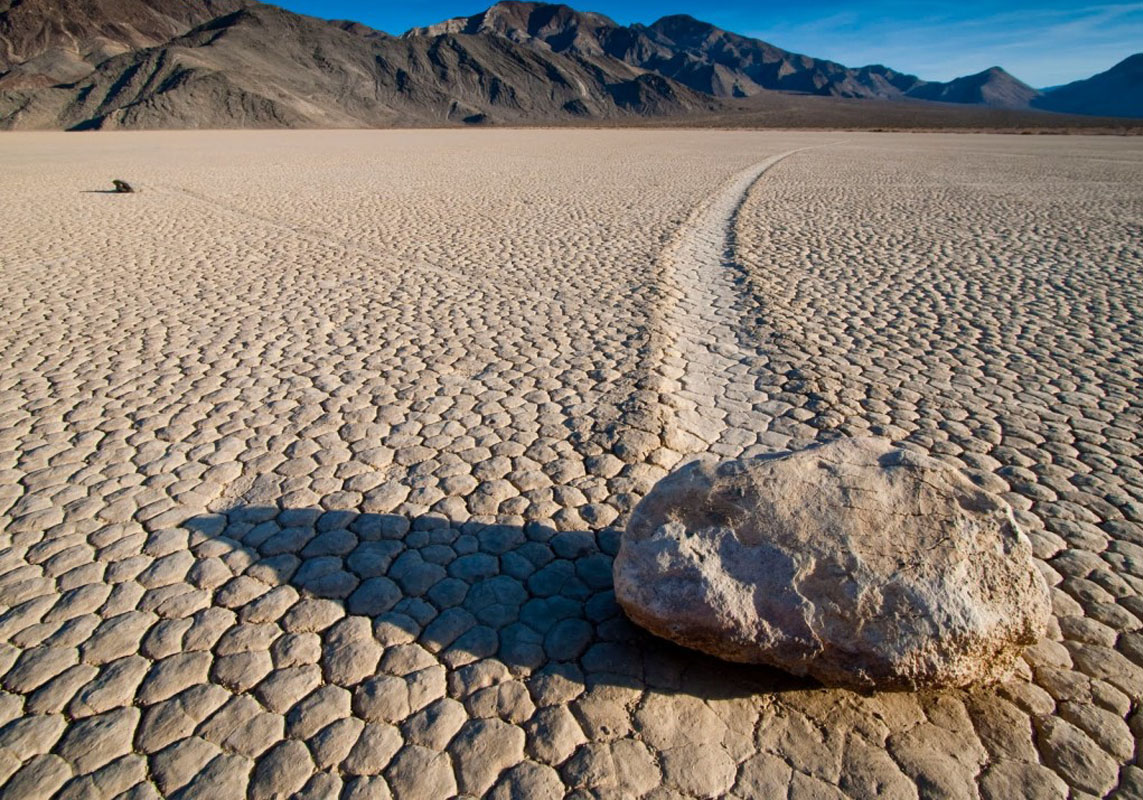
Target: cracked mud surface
315,452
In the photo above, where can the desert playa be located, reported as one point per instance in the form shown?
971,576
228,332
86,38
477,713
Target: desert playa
315,451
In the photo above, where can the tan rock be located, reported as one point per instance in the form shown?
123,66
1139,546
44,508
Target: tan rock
855,563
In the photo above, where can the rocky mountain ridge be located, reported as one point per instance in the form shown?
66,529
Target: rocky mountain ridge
86,64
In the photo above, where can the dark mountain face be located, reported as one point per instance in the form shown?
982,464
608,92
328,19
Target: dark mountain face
222,74
1117,92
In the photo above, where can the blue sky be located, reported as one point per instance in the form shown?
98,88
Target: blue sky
1042,43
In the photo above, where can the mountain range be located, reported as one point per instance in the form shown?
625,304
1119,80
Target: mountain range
100,64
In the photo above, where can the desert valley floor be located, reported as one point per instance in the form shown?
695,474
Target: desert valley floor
314,452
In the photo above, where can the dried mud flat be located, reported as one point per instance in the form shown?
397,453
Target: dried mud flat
314,453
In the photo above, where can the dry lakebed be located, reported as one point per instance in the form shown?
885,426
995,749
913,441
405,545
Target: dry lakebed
316,451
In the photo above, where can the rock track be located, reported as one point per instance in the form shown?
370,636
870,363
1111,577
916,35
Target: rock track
713,346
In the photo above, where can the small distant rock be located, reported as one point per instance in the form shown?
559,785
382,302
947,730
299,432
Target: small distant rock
856,563
122,187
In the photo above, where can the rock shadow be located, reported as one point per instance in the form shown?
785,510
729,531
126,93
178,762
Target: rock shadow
539,601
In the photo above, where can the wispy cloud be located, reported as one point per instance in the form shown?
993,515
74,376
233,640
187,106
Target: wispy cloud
1042,46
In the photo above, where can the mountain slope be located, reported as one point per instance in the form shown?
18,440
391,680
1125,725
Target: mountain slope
544,27
1118,92
222,74
725,64
45,42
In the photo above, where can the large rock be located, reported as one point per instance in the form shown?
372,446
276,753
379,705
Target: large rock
855,563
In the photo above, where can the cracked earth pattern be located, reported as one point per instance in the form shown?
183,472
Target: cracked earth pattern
314,454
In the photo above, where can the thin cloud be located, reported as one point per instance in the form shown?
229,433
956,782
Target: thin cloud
1040,46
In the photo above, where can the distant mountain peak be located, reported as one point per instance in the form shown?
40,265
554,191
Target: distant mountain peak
682,20
516,19
991,87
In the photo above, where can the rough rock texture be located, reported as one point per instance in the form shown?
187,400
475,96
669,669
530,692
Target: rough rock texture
857,563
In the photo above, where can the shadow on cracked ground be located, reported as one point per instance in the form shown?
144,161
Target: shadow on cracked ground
538,601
